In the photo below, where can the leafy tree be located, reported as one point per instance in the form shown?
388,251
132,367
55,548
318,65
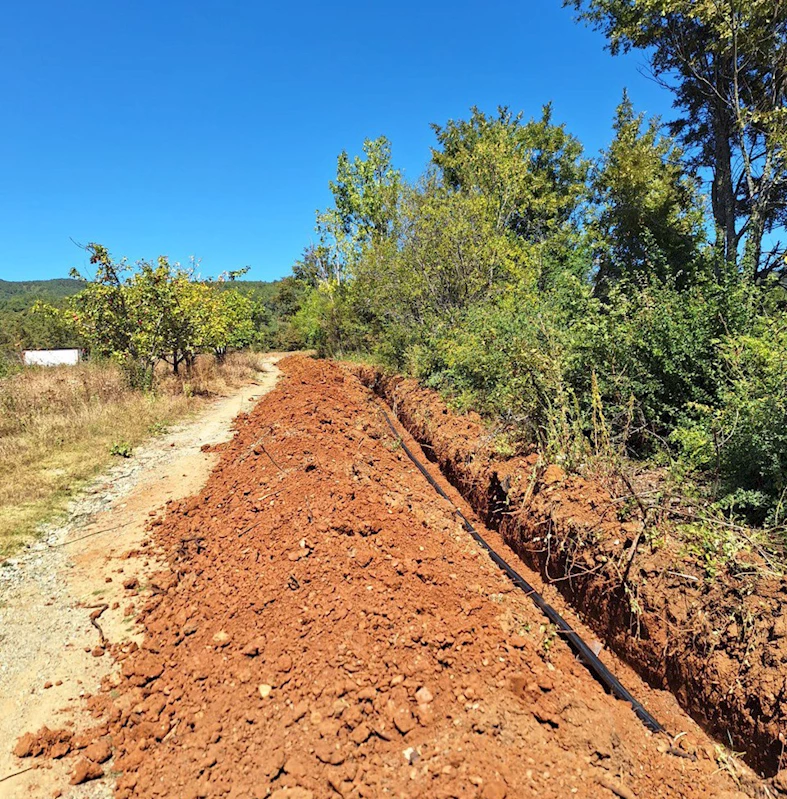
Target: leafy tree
532,174
111,319
448,255
227,321
363,217
365,193
172,307
329,320
649,219
500,203
158,311
724,61
316,265
288,296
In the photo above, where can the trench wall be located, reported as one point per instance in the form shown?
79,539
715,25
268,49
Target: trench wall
719,643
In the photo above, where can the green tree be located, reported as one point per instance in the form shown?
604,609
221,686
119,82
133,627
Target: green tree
725,62
110,316
179,307
227,320
365,194
499,205
157,311
316,265
649,218
449,254
532,174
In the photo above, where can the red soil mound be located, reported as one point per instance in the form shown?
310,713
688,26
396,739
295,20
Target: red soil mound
93,749
327,629
52,743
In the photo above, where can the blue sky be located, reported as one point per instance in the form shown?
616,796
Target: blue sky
212,128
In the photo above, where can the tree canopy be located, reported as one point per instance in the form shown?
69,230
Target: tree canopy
725,62
532,174
626,305
648,217
152,312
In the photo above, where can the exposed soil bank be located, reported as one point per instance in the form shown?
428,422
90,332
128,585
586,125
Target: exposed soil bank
325,627
719,644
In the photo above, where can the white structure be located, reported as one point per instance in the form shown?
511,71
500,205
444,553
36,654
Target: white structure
51,357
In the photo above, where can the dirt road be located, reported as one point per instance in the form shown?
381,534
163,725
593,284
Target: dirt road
315,622
46,593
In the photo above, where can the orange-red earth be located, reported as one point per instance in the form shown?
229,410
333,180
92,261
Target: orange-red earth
325,627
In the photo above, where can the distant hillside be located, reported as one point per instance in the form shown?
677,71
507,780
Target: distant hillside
49,289
25,292
259,288
276,302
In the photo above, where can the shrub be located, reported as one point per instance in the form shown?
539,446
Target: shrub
742,440
507,358
655,348
121,448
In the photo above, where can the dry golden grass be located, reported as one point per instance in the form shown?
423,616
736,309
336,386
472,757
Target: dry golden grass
208,377
58,424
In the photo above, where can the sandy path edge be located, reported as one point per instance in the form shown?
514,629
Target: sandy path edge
45,631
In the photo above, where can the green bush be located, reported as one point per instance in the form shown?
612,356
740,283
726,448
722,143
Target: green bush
121,448
655,348
507,360
742,439
652,367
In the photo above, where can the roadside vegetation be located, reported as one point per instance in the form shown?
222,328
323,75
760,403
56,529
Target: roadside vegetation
35,314
59,426
626,310
159,339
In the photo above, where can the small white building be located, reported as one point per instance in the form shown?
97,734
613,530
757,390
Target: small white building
51,357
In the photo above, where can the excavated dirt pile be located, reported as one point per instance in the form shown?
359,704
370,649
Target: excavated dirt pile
327,628
718,642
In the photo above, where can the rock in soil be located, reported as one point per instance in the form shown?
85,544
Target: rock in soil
86,770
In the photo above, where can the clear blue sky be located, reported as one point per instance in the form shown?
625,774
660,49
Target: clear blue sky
212,128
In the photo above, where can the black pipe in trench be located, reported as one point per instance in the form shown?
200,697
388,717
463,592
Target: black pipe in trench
583,651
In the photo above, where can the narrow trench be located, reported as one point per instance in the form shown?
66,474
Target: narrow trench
582,651
491,506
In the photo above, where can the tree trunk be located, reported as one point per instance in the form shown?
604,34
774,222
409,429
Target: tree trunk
723,191
753,252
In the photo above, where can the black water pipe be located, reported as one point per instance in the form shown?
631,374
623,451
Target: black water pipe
582,650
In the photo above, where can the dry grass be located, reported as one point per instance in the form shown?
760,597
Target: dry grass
57,426
208,377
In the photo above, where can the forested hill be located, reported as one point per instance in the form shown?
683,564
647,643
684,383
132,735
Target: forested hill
51,289
58,288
